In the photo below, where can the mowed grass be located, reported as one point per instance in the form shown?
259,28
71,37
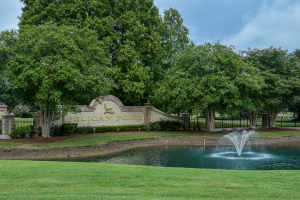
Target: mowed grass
69,180
90,140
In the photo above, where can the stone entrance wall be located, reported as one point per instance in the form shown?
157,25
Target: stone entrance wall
110,111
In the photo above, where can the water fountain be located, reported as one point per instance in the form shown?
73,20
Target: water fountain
239,140
236,142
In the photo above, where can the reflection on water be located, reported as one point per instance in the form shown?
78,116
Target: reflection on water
272,158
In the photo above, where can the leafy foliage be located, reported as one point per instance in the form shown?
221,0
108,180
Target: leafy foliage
51,65
128,28
281,73
68,129
174,36
20,109
21,131
165,125
206,75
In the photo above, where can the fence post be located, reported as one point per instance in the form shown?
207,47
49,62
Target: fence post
222,122
186,119
36,122
148,113
8,125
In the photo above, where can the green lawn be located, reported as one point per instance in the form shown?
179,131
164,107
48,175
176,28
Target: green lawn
69,180
104,138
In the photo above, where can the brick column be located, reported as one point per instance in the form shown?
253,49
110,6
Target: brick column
265,119
147,113
186,119
8,124
36,122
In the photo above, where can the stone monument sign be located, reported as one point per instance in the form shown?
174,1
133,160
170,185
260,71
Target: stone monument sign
110,111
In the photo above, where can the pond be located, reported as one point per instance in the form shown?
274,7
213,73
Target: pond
279,157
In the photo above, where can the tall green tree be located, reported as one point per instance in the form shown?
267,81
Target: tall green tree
206,75
129,28
7,94
296,107
50,66
281,73
174,36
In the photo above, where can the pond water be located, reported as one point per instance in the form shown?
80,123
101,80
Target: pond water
283,157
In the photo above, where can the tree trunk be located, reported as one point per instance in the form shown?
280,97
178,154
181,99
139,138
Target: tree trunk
298,114
46,117
210,118
272,112
21,115
253,118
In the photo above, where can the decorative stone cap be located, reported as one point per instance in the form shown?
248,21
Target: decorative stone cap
7,115
185,114
147,104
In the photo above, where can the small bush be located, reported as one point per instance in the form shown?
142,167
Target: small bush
67,129
21,131
82,130
27,115
165,125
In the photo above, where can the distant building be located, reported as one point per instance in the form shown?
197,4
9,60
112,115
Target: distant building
3,109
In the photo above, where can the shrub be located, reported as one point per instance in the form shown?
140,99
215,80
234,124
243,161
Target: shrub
84,130
102,129
165,125
27,115
67,129
22,131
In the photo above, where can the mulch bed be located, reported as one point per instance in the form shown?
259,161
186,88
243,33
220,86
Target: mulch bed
40,139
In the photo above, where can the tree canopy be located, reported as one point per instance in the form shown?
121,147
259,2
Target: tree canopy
281,73
129,28
174,36
206,75
50,66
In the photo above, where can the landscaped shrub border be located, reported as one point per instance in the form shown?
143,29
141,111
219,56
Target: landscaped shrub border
68,129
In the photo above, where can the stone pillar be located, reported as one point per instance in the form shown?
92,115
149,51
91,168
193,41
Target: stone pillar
186,120
36,122
147,113
8,124
265,119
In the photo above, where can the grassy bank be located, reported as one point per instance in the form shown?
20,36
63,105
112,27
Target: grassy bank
67,180
90,140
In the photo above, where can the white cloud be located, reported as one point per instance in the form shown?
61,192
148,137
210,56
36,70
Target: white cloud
276,25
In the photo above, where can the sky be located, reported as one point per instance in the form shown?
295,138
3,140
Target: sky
241,23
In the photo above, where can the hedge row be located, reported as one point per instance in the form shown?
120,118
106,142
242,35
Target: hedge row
68,129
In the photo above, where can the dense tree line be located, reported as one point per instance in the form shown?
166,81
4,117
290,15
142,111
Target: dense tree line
68,52
208,77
